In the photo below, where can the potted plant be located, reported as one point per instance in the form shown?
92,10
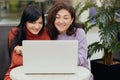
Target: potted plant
109,43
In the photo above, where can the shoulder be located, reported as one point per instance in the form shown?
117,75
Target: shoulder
80,31
44,32
80,34
14,31
45,35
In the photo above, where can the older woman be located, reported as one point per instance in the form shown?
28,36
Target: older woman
61,25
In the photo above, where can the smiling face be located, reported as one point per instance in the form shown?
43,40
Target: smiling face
35,27
63,20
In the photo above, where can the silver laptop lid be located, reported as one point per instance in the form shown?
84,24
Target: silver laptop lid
50,56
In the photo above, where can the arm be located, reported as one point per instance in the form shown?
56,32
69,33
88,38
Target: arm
82,48
16,60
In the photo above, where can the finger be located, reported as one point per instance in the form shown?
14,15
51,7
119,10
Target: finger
20,52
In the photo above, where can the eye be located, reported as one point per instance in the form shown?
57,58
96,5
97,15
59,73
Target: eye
40,22
66,18
57,17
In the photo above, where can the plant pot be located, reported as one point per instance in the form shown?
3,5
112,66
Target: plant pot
105,72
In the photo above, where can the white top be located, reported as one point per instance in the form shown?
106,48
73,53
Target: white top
82,74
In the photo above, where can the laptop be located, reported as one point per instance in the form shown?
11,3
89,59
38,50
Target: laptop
50,56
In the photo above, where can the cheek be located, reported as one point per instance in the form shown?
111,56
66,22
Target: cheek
68,23
55,22
41,25
29,27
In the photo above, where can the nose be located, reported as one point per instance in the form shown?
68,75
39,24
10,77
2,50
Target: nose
61,21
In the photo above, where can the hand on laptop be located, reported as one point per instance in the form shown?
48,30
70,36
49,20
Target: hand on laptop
18,50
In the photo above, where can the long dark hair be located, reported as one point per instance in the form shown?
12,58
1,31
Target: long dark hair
52,31
31,13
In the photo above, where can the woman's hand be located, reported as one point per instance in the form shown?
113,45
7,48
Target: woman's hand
18,50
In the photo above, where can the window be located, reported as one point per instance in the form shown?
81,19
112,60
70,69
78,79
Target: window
12,9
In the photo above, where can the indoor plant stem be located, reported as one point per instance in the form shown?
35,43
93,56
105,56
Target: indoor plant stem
108,58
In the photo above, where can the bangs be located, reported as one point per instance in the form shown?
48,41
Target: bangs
33,18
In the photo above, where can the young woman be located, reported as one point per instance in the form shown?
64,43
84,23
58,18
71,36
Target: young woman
31,27
61,25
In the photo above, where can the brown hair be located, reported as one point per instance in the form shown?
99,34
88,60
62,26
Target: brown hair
66,1
53,32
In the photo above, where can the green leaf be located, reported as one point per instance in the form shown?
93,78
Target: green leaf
93,48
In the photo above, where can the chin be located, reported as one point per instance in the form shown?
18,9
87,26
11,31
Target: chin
35,33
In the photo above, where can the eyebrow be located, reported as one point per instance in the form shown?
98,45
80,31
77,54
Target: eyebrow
64,15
